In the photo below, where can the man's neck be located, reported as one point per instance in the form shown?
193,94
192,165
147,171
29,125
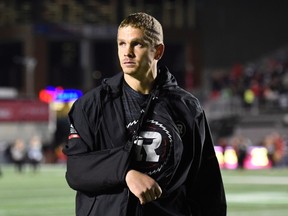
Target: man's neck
143,83
143,86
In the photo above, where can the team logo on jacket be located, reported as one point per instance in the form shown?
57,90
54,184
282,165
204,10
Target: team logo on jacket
152,148
181,128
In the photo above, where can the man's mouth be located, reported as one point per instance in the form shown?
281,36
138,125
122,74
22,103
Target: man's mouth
129,63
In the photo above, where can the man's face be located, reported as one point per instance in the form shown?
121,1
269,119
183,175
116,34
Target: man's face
136,55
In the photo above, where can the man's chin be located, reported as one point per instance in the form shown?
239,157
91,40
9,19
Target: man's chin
129,71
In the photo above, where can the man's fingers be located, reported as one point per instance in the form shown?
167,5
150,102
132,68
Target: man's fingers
147,197
142,186
158,192
142,200
150,195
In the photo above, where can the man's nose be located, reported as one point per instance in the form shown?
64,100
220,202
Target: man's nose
129,51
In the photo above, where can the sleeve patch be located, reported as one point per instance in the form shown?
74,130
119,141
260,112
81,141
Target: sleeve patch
73,133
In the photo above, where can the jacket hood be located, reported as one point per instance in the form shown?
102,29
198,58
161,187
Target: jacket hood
165,79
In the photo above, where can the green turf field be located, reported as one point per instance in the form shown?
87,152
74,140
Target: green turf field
257,192
249,193
35,194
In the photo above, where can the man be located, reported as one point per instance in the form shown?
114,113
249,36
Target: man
139,144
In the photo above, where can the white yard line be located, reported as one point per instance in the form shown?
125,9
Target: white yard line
267,198
268,180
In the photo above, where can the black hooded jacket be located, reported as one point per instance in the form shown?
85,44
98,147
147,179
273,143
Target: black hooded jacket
99,153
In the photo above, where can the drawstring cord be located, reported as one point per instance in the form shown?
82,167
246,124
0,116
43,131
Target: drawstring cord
143,115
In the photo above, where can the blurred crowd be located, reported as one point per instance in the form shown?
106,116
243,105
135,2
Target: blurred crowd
30,154
277,148
275,144
263,83
21,153
263,86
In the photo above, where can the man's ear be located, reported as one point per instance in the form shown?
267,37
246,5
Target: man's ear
159,51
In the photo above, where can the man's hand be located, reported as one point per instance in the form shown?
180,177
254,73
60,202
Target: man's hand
145,188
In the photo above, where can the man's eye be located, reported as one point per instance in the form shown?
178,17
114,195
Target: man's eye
121,44
138,44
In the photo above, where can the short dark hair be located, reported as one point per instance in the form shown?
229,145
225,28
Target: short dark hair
151,27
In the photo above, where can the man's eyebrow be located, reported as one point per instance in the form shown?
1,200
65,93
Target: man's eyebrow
142,40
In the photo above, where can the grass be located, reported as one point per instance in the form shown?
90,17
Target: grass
46,193
256,192
35,194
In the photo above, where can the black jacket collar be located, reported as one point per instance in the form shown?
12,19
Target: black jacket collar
164,80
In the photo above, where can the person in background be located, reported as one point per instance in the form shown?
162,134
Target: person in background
240,144
34,152
18,154
139,144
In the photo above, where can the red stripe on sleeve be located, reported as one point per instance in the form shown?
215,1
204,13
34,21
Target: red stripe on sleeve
72,136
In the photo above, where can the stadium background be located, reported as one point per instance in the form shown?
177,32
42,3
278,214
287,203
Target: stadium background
233,55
